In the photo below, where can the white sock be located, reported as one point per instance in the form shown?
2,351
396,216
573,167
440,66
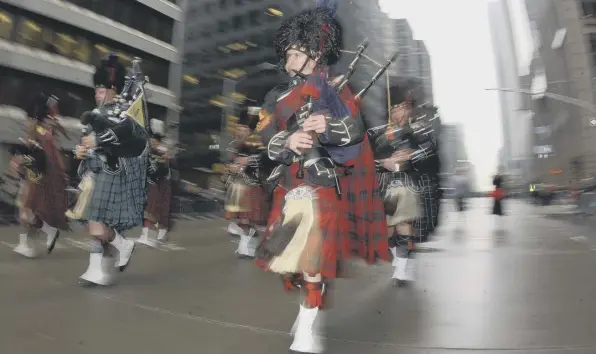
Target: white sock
118,240
49,230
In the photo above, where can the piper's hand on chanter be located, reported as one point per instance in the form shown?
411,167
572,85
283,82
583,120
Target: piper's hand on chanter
402,156
299,141
89,141
391,164
315,123
242,161
80,151
15,165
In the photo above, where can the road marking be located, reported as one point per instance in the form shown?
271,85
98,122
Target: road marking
85,246
8,244
172,247
579,238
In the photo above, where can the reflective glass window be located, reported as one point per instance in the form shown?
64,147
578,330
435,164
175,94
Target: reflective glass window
6,25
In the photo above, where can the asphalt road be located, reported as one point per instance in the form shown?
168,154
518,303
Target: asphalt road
529,289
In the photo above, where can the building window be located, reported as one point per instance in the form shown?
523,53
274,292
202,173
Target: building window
82,51
64,44
30,34
132,14
18,89
6,25
237,22
589,8
73,43
255,17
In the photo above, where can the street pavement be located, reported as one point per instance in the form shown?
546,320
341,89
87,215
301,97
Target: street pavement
528,289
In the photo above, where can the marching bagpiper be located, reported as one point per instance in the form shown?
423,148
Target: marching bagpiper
159,195
246,200
113,169
42,198
311,132
403,147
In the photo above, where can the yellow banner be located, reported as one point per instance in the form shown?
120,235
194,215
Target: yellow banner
136,111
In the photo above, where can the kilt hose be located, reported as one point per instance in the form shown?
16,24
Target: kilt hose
252,208
321,229
118,197
159,199
365,214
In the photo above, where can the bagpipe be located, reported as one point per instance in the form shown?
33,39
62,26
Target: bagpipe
310,92
129,104
33,161
390,138
257,168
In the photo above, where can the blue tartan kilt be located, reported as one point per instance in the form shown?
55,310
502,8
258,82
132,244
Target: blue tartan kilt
119,197
429,198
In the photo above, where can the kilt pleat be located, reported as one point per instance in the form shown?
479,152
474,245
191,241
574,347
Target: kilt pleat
335,246
119,197
256,202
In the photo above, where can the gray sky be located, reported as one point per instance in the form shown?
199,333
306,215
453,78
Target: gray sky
457,36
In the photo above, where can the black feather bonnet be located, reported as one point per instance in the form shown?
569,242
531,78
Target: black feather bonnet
110,74
315,33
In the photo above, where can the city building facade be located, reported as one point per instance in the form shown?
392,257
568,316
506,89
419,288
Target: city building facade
229,59
516,126
52,46
564,43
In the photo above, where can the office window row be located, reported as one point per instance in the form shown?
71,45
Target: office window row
589,8
250,19
42,33
18,88
132,14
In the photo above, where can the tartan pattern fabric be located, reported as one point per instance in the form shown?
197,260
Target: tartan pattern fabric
331,225
425,225
365,215
119,197
47,198
159,199
257,200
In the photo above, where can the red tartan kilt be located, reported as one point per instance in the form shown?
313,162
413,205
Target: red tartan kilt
332,224
365,214
159,198
254,199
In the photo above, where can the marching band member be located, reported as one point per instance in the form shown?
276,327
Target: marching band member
366,220
309,130
159,194
42,198
114,167
405,146
246,200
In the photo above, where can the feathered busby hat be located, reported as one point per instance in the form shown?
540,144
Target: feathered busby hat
158,130
315,33
404,90
249,117
42,106
110,74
